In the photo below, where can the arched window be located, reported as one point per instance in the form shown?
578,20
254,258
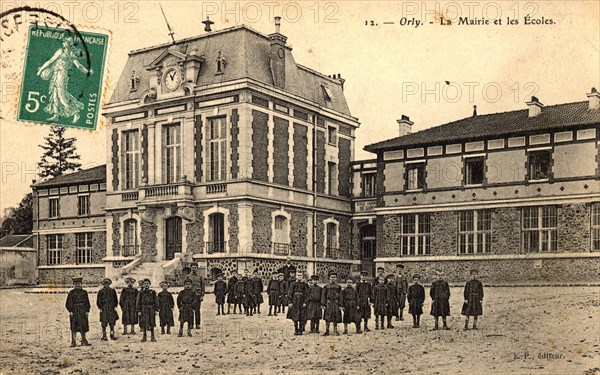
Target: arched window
130,242
216,233
281,244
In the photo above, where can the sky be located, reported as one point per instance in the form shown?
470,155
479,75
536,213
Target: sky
431,72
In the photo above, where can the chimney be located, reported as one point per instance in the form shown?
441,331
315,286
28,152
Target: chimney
341,80
404,125
594,98
207,24
475,110
535,107
277,55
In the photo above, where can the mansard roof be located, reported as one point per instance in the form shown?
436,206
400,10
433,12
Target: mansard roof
91,175
246,53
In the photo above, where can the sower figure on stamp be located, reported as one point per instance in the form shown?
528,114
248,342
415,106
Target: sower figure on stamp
165,308
220,289
273,291
350,306
364,290
231,297
402,285
313,304
257,290
331,299
416,298
127,302
186,303
473,300
107,303
380,301
297,294
78,306
440,300
392,304
147,307
198,286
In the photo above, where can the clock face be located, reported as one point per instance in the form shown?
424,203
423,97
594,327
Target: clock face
281,53
172,79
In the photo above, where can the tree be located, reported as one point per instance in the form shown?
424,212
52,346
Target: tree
21,221
60,154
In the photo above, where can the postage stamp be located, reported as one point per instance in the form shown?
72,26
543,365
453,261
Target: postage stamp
62,77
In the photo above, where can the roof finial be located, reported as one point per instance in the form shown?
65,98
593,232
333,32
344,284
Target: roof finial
171,33
475,110
207,24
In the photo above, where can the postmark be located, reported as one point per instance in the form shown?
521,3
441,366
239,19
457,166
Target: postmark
62,77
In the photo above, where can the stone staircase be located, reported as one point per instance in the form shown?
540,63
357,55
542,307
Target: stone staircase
155,271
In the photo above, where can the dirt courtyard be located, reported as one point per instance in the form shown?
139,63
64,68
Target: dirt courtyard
536,330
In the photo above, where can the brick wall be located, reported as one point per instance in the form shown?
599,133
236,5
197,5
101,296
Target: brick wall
260,143
149,241
195,233
343,270
144,153
344,155
261,229
115,159
344,239
68,250
198,148
235,156
234,228
298,233
98,247
389,228
300,156
116,235
320,172
444,233
281,151
320,235
574,226
506,233
64,276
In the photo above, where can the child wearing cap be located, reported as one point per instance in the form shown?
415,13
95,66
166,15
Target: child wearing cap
380,301
392,308
186,303
473,295
350,306
240,290
231,297
273,293
331,299
78,306
257,290
364,290
165,308
440,300
380,272
416,298
107,302
127,303
147,306
220,290
402,285
313,304
297,298
283,290
249,298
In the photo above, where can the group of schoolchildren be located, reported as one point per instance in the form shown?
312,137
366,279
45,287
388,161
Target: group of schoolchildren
306,301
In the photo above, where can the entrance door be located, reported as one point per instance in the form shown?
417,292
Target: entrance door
173,237
368,249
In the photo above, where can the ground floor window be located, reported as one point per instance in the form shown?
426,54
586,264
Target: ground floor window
54,246
540,232
83,250
596,227
474,232
415,234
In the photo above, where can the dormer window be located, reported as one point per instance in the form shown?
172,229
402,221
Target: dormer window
327,93
221,63
134,81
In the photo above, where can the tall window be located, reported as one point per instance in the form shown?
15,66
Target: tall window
539,229
53,207
415,176
474,170
130,244
540,164
474,232
54,249
172,153
332,135
369,182
280,236
130,159
83,250
216,233
332,178
596,227
217,149
331,238
83,205
415,236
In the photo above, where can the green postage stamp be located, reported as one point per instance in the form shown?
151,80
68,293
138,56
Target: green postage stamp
62,77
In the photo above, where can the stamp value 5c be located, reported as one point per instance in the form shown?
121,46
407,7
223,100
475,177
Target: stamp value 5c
62,77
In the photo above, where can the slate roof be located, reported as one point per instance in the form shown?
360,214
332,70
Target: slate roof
95,174
246,52
17,240
495,125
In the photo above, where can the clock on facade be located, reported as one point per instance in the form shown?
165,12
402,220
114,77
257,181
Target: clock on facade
172,79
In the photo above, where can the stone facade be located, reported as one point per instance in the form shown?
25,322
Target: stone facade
343,270
280,151
344,156
149,241
505,239
116,234
195,233
574,226
235,143
260,145
300,156
234,228
298,233
320,162
63,276
198,148
444,233
261,229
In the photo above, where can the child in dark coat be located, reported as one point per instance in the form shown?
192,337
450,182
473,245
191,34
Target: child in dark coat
402,285
473,300
380,301
165,308
127,303
273,291
186,303
297,297
78,306
331,299
240,289
107,303
364,290
147,306
231,297
257,290
248,296
416,298
350,306
220,290
283,296
392,308
313,304
440,300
